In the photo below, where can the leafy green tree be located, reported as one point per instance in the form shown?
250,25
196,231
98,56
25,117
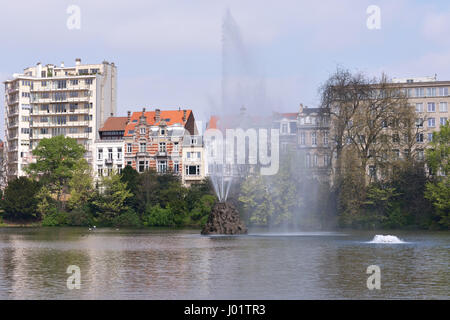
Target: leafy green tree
132,178
256,200
110,201
57,159
20,200
81,185
438,190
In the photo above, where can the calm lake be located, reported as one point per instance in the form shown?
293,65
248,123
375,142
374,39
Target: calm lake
181,264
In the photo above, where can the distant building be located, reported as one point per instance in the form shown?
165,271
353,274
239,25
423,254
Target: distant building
47,101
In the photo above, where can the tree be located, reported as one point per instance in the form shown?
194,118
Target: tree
438,190
81,185
256,201
110,202
57,159
20,200
131,177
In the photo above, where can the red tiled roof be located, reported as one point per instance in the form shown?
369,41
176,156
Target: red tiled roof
169,116
291,115
115,124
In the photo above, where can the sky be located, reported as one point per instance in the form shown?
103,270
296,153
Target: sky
169,52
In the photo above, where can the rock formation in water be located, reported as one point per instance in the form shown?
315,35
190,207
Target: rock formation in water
224,219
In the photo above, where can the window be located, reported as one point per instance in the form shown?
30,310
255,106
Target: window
163,132
119,168
44,130
162,166
193,140
326,160
193,170
141,166
443,121
419,137
100,171
73,118
315,160
73,130
419,92
419,107
443,107
284,128
61,84
88,129
175,147
325,138
110,153
142,131
302,139
74,82
443,92
313,138
162,147
119,153
420,155
430,137
431,107
142,147
73,94
88,81
176,166
431,92
395,138
431,122
129,148
100,154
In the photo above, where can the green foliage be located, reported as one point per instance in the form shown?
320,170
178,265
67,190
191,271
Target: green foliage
80,216
127,219
157,216
256,200
20,201
81,185
110,201
57,159
438,190
54,218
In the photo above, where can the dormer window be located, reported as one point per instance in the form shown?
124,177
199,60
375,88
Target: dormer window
142,131
284,128
163,132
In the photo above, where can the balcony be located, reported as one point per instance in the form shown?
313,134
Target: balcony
161,154
109,161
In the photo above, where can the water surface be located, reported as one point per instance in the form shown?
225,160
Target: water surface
181,264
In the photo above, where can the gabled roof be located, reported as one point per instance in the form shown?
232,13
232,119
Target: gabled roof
170,117
115,124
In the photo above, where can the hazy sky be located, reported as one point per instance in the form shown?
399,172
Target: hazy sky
169,53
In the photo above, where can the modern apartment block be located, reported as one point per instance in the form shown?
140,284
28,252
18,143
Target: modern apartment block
431,100
46,101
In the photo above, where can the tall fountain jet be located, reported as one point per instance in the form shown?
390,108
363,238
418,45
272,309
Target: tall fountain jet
224,218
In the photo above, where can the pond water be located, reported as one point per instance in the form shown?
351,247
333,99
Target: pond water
182,264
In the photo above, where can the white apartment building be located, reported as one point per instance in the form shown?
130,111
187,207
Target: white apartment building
193,159
46,101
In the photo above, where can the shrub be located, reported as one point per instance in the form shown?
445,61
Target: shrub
157,216
80,217
55,218
127,219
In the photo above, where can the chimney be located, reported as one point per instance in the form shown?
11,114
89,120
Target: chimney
62,64
112,114
184,115
301,108
157,115
129,117
77,61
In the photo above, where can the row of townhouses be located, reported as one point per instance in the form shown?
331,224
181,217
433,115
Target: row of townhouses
80,102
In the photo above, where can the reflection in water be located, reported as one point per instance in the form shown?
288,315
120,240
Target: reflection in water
180,264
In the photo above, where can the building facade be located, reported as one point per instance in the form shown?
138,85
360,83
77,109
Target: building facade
46,101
